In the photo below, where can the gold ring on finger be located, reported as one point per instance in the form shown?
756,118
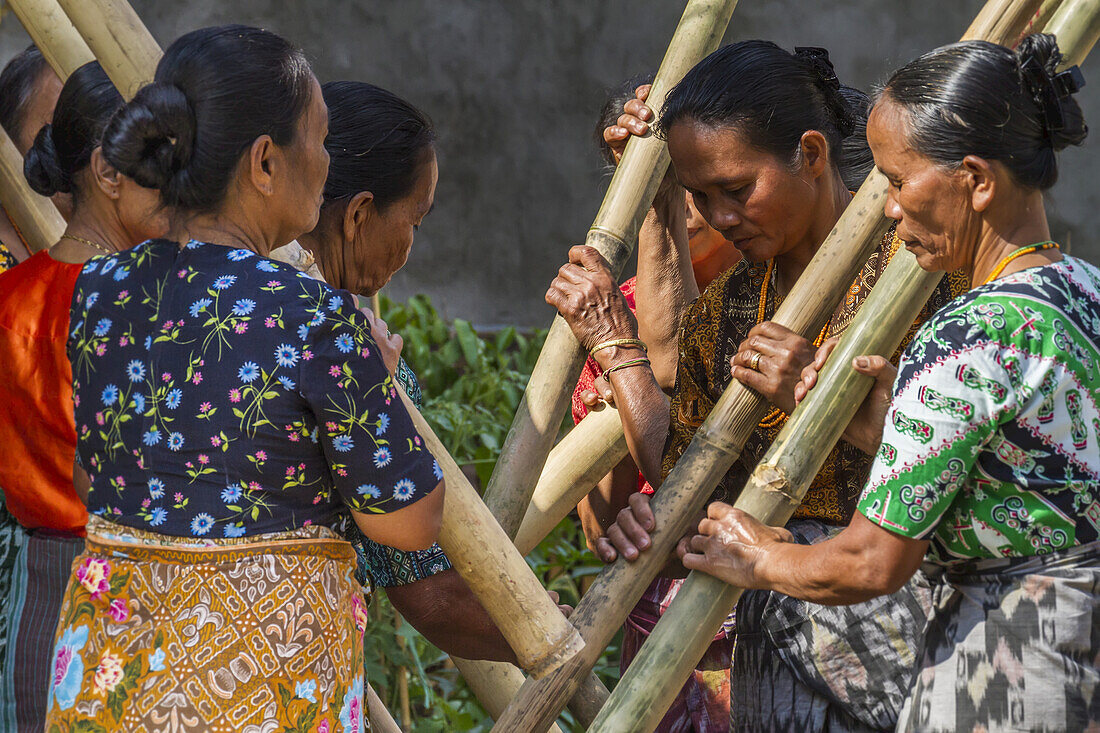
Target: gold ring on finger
754,361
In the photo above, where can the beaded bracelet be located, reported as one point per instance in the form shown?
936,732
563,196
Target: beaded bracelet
629,363
637,343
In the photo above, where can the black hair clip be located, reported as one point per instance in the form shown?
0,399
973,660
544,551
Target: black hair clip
1049,90
818,59
1069,81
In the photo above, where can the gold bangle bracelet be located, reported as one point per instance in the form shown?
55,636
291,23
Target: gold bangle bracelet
637,343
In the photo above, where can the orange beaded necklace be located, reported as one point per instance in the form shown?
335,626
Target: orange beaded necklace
775,416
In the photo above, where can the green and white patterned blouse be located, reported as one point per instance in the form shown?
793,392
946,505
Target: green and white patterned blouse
991,446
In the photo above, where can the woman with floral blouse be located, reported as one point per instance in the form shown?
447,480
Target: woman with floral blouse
230,411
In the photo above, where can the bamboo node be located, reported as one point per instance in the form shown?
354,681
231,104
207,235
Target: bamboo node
566,648
773,478
609,244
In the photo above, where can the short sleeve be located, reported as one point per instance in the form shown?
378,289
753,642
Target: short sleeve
377,460
947,405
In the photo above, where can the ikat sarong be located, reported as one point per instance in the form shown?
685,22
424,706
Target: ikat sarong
1013,645
804,667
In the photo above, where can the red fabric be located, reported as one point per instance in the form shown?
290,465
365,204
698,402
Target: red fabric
37,428
592,370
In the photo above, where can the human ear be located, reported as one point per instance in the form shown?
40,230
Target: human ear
981,181
105,174
358,215
814,151
261,162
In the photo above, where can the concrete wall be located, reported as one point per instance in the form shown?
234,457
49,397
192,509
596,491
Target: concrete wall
514,87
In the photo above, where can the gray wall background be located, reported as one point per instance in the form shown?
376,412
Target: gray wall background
514,87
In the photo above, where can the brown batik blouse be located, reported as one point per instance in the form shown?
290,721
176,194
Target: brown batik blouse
711,330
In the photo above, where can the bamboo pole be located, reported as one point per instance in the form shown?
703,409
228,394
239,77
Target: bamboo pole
495,571
1042,18
780,481
584,456
36,218
54,34
717,443
380,719
121,42
613,234
494,683
1076,25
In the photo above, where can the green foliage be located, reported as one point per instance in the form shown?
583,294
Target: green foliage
472,386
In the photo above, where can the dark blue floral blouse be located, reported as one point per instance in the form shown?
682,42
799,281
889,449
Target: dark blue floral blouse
222,394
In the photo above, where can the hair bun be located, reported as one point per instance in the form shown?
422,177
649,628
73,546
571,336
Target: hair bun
42,167
817,59
1038,58
151,139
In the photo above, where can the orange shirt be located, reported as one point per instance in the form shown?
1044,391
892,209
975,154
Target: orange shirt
37,428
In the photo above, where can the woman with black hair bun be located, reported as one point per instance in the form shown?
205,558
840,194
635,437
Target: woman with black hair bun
231,413
110,213
987,436
28,95
768,144
381,185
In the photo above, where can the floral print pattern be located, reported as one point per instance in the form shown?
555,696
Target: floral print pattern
218,635
222,394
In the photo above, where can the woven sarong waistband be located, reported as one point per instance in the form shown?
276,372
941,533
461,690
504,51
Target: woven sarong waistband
1074,557
118,541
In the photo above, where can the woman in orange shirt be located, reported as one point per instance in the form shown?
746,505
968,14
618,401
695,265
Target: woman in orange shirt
36,412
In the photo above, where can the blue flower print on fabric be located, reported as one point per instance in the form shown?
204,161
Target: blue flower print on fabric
219,394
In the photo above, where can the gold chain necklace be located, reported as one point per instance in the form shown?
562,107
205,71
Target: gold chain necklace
94,245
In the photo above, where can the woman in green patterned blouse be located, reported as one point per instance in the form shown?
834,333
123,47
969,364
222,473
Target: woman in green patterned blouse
987,438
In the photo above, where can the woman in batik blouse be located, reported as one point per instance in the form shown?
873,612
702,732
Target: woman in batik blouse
987,445
229,411
771,166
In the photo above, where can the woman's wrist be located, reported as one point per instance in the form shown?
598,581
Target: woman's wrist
611,356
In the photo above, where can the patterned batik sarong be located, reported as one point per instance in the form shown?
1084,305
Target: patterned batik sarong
1013,644
248,634
800,666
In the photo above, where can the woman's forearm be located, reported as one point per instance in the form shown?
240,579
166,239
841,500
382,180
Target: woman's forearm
860,563
666,283
597,511
444,609
643,407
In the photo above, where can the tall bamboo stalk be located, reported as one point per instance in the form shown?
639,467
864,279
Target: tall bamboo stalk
717,443
494,683
36,218
584,456
613,233
779,482
121,42
495,571
1076,24
54,35
380,719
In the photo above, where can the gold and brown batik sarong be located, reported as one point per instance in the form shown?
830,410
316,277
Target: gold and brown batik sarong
168,633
